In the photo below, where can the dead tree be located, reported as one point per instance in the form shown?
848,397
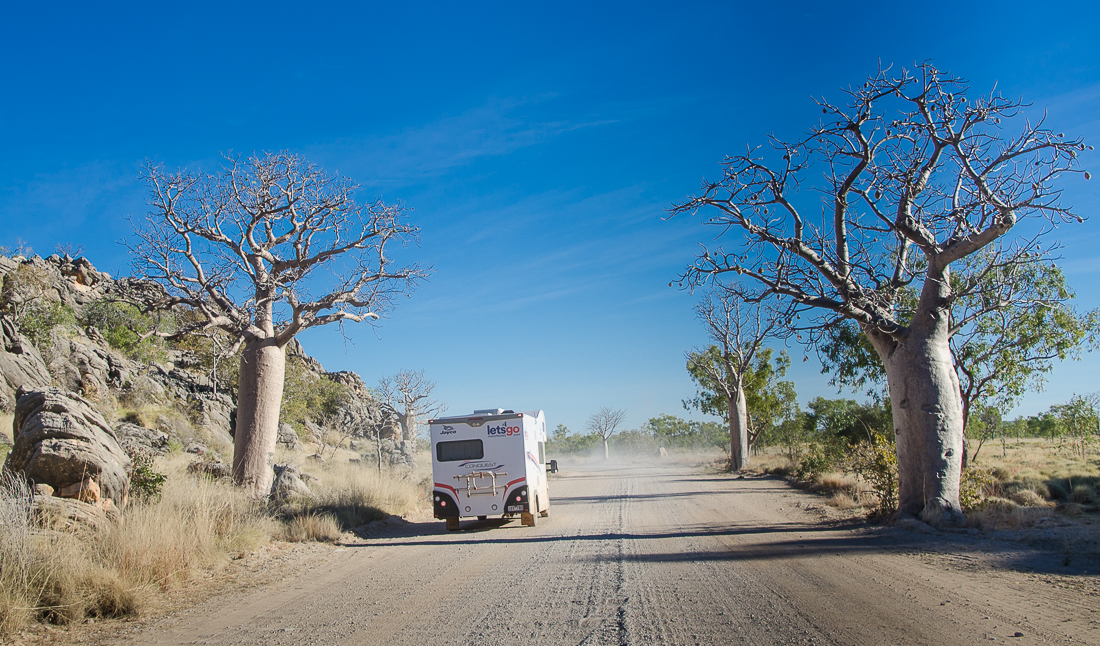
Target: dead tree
910,175
739,327
406,396
605,422
266,248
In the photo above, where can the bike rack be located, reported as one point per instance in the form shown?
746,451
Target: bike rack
472,489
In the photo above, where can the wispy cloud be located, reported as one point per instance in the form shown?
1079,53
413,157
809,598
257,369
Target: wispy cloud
496,128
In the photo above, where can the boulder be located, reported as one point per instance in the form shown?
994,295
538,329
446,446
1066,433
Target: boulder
210,468
79,364
138,439
20,365
313,431
288,482
196,448
287,438
61,440
87,490
72,516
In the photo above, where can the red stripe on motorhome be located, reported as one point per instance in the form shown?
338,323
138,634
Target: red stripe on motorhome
443,486
509,486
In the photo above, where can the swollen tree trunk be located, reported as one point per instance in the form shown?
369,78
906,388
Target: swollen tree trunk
606,454
927,409
739,429
260,393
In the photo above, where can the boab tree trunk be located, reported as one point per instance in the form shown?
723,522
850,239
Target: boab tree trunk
927,409
263,367
739,429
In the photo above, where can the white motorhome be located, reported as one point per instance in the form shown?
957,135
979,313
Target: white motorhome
490,463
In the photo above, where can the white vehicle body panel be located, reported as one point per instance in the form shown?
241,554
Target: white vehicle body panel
482,462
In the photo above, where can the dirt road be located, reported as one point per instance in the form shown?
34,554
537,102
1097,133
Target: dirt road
655,554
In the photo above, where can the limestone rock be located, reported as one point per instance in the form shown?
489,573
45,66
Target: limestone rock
288,482
72,516
61,440
20,365
213,469
138,439
287,438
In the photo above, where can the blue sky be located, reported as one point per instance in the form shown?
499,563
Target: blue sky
538,147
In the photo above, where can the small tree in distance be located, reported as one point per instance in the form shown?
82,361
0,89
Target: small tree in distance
406,396
739,328
264,249
604,423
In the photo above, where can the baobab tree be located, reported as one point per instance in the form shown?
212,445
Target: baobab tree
605,422
910,175
739,327
406,397
263,249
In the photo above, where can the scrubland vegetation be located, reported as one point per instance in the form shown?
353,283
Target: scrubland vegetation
193,525
1013,482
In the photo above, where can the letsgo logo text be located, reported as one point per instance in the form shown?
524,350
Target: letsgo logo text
502,430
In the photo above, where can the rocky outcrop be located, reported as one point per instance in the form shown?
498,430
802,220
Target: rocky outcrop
288,483
62,441
398,454
288,438
136,439
79,364
20,365
78,358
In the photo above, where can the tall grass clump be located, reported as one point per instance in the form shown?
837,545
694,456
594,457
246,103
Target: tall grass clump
353,495
48,575
197,524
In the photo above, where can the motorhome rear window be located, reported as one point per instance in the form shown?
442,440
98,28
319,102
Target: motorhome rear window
459,450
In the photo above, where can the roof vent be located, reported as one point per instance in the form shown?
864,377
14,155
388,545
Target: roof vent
488,411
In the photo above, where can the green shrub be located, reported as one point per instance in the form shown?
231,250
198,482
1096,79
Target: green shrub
37,322
819,458
976,485
876,462
307,396
146,482
123,325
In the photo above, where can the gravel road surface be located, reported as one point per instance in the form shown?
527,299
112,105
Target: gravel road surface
656,553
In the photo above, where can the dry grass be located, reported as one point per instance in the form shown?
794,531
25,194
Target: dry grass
197,524
842,500
312,527
837,481
1000,513
771,460
1037,474
1028,479
50,576
354,494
